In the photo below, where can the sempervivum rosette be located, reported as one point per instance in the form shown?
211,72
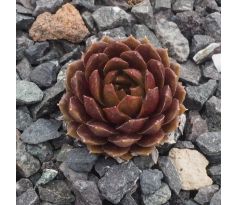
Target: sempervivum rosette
122,97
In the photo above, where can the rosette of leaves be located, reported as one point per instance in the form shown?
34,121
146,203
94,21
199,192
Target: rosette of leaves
122,97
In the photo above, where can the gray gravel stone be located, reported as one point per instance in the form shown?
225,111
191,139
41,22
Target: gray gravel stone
198,95
80,160
107,17
116,33
190,202
22,185
118,180
170,37
144,162
190,73
195,126
128,200
41,131
140,31
199,42
49,103
62,154
88,20
150,181
22,10
159,197
205,194
170,173
162,4
47,176
213,113
24,68
144,13
53,55
209,71
45,74
36,51
23,22
103,165
91,40
182,5
212,25
27,165
29,197
70,174
207,53
86,193
216,199
17,76
23,119
29,4
88,4
27,93
23,42
47,5
56,191
210,145
120,3
216,58
206,6
74,54
184,145
190,23
43,151
215,172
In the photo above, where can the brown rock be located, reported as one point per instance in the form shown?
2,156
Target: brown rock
191,166
66,23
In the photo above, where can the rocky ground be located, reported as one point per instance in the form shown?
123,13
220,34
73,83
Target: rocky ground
55,169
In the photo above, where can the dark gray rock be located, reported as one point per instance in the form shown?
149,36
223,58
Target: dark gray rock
116,33
70,174
184,145
140,31
207,6
88,4
24,68
170,173
45,74
74,54
182,5
150,181
86,193
17,76
23,119
218,91
120,3
209,71
41,131
68,46
213,113
107,17
56,191
36,51
190,73
80,160
181,198
170,37
216,199
210,145
144,13
49,103
22,185
27,93
35,177
88,20
212,25
49,6
190,23
190,202
23,42
103,165
118,180
43,151
29,197
27,165
22,10
205,194
207,53
128,200
23,22
159,197
198,95
62,73
199,42
166,14
144,162
162,4
53,54
215,172
29,4
195,126
47,176
62,154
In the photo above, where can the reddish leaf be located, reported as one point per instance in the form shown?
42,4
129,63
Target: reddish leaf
72,129
151,140
110,96
171,79
131,42
149,80
165,99
115,49
114,151
148,52
101,129
163,53
137,91
124,140
132,126
143,151
115,116
110,76
134,75
180,93
172,112
172,126
64,106
95,86
115,64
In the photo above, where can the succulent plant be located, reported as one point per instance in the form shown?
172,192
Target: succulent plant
122,97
